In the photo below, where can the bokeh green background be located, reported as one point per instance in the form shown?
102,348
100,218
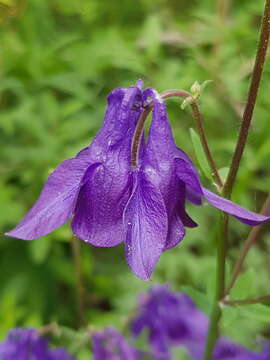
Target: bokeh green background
58,61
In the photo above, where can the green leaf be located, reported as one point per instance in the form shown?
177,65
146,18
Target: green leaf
7,2
229,315
258,312
200,154
179,353
244,286
151,36
189,100
223,172
199,298
39,249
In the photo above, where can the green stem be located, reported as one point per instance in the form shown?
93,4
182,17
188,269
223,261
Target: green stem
250,241
199,123
256,300
213,331
251,101
76,250
223,7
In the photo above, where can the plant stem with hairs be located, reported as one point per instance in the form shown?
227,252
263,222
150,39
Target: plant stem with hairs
199,123
76,250
251,101
256,300
213,331
251,239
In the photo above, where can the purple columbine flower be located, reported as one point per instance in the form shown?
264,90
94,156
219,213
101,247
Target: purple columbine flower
227,350
109,344
26,344
155,217
111,202
93,187
171,319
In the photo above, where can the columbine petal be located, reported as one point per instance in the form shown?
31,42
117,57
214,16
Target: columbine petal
145,221
109,344
227,350
179,218
99,209
244,215
59,354
171,320
26,344
101,202
56,202
189,176
191,195
185,218
159,165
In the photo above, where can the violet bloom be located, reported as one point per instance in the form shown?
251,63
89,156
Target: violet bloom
26,344
93,187
171,319
109,344
155,216
227,350
110,202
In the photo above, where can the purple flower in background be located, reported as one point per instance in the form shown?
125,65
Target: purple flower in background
109,344
60,354
227,350
21,343
27,344
93,186
155,217
110,202
172,319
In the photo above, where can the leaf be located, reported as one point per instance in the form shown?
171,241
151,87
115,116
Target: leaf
39,249
179,353
200,154
7,2
244,286
258,312
223,172
229,315
199,298
151,35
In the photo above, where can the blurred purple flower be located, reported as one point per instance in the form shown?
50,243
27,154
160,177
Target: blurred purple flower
227,350
172,319
27,344
112,203
109,344
155,217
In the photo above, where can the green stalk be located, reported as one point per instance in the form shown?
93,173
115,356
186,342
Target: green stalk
213,331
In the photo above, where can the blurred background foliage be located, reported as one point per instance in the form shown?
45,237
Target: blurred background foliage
58,61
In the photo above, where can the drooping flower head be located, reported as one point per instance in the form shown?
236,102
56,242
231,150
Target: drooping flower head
111,202
155,217
26,344
109,344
